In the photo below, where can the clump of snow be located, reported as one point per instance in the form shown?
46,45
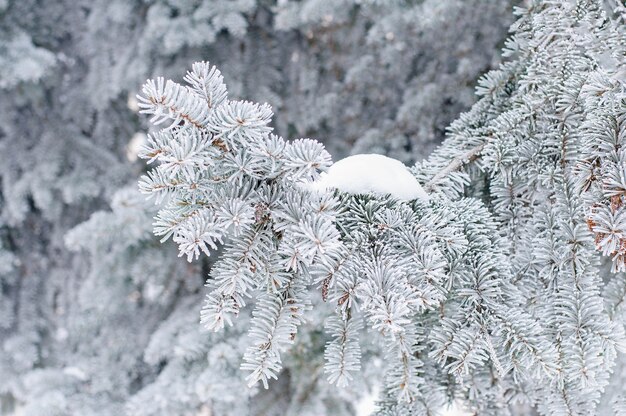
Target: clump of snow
371,173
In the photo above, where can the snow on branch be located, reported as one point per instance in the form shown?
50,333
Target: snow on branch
371,173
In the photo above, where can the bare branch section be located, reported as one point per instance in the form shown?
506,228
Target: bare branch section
456,163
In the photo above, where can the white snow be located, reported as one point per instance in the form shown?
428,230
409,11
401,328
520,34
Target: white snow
371,173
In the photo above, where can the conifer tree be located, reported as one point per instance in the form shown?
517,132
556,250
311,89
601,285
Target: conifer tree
492,289
89,326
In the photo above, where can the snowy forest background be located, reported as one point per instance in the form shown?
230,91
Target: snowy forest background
98,317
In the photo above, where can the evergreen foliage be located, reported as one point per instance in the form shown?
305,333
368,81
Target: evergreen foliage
489,292
88,326
503,290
